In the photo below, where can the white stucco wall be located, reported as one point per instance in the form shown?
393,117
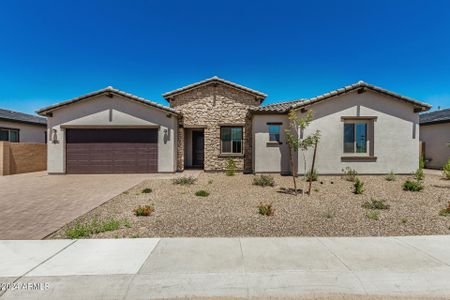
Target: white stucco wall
269,156
395,137
437,140
105,112
28,133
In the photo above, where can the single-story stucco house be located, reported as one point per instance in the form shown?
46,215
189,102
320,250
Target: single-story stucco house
20,127
369,129
435,137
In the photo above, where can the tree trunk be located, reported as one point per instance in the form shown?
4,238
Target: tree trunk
312,169
293,171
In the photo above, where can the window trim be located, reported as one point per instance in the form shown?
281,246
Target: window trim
242,141
354,121
279,124
9,129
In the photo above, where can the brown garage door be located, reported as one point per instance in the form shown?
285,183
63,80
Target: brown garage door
104,151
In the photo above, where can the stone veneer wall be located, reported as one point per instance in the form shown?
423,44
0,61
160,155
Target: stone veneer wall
211,107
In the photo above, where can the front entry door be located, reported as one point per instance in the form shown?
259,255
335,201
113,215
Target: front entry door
198,146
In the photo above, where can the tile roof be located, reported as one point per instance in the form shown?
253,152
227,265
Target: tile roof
186,88
285,106
437,116
16,116
108,89
279,107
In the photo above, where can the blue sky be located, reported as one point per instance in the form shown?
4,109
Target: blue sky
56,50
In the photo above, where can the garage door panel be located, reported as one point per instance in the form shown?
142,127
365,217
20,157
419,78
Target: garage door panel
111,151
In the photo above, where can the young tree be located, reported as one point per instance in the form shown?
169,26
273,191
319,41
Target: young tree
298,142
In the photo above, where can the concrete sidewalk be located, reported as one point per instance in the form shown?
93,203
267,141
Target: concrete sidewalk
226,267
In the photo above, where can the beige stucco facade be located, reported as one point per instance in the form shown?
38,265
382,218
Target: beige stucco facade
103,111
28,133
436,138
393,136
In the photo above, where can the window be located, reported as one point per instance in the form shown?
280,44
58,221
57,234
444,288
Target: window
9,135
231,140
355,138
274,132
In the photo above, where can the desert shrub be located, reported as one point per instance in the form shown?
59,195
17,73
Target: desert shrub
230,167
147,190
349,174
358,187
419,175
413,186
185,180
143,211
403,220
109,225
210,181
391,176
445,211
312,176
446,170
87,229
127,223
78,230
328,214
375,204
373,215
201,193
263,180
266,209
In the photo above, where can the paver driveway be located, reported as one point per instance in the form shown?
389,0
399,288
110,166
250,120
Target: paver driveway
36,204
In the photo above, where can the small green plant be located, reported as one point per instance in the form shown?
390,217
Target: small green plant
445,211
230,167
446,170
146,190
391,176
135,236
375,204
77,231
266,209
316,190
312,176
403,220
185,180
109,225
143,211
125,193
419,175
264,180
373,215
349,174
210,181
413,186
86,229
328,214
127,223
201,193
358,187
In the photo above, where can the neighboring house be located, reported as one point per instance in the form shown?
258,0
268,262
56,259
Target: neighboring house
19,127
364,127
435,137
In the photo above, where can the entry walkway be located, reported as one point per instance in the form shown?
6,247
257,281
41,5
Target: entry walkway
226,267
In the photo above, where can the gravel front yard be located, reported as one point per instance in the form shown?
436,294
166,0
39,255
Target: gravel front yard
231,209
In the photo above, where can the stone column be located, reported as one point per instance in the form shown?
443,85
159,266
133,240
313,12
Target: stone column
180,149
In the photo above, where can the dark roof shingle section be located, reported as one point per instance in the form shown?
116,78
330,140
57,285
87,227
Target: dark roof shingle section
16,116
212,80
108,89
280,107
438,116
285,106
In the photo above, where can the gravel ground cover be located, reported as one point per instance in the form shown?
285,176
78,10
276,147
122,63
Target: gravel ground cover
231,209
